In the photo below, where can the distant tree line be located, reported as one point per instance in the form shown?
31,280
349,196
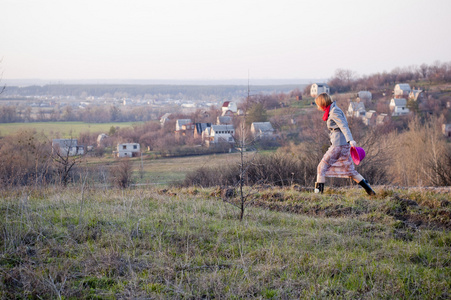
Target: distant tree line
67,113
156,91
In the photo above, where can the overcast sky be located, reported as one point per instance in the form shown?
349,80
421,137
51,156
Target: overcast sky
218,39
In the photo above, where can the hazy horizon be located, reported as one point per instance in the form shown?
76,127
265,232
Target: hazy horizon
202,40
237,81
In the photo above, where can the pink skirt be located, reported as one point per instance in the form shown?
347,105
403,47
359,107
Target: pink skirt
337,162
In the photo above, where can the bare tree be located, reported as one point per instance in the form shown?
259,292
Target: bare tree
65,159
243,140
122,173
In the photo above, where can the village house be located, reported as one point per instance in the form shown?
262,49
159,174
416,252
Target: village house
186,129
370,118
446,129
381,119
262,130
398,107
402,90
356,109
165,118
416,94
180,122
229,108
67,147
199,129
319,88
221,134
101,138
127,150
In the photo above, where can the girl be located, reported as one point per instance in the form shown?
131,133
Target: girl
337,162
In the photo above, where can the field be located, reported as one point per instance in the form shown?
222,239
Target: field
60,129
154,243
165,171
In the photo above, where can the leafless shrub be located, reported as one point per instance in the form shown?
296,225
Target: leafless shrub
25,159
121,173
420,155
280,169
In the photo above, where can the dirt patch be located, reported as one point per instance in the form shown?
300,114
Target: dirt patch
410,212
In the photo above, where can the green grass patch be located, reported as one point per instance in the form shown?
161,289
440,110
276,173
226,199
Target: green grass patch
148,243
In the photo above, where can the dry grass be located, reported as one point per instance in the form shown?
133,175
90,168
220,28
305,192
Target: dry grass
186,243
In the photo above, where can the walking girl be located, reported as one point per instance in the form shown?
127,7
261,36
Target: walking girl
337,162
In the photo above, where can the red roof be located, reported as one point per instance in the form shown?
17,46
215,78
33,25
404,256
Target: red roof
226,104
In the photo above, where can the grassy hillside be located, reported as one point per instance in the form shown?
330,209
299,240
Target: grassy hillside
187,243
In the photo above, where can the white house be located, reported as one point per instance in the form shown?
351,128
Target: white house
100,138
319,88
356,109
262,130
222,133
446,129
199,129
401,90
165,118
365,95
128,150
67,147
370,118
180,122
229,106
416,94
398,107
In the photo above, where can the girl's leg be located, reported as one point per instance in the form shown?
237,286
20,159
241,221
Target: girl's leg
357,178
363,183
329,158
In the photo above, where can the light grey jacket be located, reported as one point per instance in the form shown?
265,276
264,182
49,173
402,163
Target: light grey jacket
337,124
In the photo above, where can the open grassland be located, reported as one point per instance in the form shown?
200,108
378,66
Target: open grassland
165,171
170,170
84,243
60,129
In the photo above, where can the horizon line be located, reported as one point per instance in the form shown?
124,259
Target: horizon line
233,81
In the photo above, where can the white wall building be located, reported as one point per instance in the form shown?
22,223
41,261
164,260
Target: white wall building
446,129
67,147
128,150
356,109
370,118
319,88
262,130
398,107
227,105
402,90
222,133
165,118
180,122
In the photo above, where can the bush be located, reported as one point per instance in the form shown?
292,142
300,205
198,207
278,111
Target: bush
121,173
275,169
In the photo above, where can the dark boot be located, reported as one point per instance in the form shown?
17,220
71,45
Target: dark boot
319,187
367,187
